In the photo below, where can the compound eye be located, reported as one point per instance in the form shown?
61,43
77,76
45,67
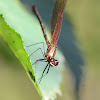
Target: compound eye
56,62
45,55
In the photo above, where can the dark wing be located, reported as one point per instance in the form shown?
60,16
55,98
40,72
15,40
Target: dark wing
56,19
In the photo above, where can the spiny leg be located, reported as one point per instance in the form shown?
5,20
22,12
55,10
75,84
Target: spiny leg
43,73
36,60
36,44
34,52
42,60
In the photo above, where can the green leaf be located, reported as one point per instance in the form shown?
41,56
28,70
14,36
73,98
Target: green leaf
14,40
24,23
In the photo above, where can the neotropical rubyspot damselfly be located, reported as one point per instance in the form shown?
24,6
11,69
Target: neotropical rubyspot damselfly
56,21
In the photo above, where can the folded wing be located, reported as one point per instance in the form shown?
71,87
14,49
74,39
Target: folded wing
56,19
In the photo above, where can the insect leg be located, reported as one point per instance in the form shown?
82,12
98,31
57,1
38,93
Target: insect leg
43,73
38,48
34,52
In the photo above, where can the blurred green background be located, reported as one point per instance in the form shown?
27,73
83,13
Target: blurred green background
79,40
